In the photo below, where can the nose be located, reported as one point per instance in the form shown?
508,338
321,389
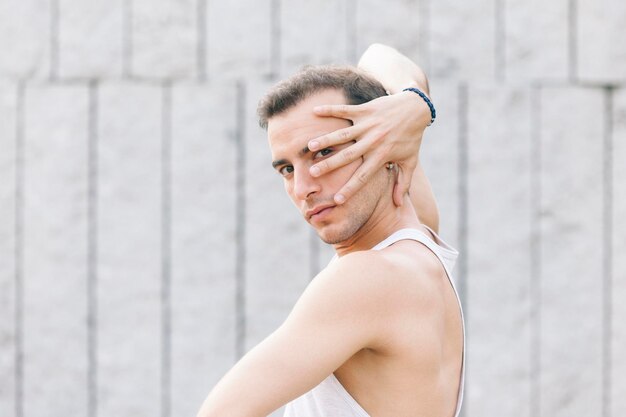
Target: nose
304,184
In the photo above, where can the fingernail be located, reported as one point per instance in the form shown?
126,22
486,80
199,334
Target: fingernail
315,171
314,145
340,199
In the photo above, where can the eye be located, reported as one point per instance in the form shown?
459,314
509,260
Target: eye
285,170
323,152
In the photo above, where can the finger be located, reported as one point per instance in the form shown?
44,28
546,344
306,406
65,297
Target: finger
358,180
338,137
341,158
343,111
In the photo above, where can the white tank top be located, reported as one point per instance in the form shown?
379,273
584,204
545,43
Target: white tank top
330,398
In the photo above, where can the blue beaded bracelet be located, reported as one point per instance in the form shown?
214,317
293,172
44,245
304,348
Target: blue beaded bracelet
433,113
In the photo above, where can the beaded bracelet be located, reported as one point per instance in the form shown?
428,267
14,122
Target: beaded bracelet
433,113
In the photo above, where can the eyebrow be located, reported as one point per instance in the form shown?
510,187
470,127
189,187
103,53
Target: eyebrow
302,152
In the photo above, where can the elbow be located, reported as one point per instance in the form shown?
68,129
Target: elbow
378,47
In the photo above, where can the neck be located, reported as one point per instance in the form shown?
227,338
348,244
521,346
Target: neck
386,219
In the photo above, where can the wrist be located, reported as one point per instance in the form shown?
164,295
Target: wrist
426,99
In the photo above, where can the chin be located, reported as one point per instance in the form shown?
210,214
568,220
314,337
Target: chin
347,222
333,233
330,239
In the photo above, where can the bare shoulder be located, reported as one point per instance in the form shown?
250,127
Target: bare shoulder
407,267
382,290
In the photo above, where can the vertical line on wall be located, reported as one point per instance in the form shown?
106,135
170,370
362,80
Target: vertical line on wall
351,18
19,253
240,228
275,34
463,189
54,39
424,43
607,268
127,39
463,127
535,252
314,254
166,252
500,41
573,40
92,252
202,39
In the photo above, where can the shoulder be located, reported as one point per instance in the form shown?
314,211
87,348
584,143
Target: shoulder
407,266
377,290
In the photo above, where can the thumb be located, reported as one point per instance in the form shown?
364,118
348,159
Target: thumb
401,187
403,180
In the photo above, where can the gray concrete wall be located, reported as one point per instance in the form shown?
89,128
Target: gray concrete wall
145,244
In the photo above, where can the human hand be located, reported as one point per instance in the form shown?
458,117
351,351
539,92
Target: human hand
387,129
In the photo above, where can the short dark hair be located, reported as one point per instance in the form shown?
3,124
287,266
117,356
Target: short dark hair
357,86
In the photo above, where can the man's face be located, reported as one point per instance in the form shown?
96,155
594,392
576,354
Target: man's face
288,135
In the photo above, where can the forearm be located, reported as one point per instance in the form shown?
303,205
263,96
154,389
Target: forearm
252,387
396,72
423,199
232,395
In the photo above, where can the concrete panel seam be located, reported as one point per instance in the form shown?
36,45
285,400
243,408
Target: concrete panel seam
240,231
127,58
201,15
607,260
573,39
314,251
351,45
92,252
166,250
500,40
19,252
275,52
425,35
54,39
463,203
463,127
535,351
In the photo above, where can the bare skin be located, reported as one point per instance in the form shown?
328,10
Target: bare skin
386,129
385,322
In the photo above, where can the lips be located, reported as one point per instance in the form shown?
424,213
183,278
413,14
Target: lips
317,210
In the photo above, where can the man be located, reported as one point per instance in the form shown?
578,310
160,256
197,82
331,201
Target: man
378,332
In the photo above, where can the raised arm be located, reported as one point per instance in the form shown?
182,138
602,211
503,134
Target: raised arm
386,129
397,72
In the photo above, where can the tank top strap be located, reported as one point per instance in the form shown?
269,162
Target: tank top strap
446,254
